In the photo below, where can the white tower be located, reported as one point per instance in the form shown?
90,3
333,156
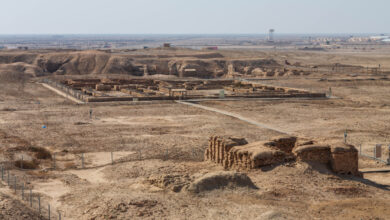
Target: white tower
271,35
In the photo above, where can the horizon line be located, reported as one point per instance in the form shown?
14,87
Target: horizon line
194,34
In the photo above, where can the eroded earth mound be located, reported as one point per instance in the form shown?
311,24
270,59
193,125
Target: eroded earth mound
178,63
221,180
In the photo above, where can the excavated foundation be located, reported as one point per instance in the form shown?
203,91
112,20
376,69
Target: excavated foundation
126,89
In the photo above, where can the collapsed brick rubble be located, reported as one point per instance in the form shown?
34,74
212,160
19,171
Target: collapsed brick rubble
237,153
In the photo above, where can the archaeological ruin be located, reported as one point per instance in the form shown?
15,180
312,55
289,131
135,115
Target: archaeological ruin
237,153
130,89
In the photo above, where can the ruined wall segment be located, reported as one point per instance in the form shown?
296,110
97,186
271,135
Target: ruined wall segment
313,153
236,153
252,156
219,146
345,159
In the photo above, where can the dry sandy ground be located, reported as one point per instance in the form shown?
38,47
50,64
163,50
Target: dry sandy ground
167,139
121,191
361,108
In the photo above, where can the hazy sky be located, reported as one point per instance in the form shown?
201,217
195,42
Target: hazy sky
193,16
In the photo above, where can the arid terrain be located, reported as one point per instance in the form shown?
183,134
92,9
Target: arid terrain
142,159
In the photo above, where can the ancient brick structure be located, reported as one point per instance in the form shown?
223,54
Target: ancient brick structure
345,159
236,153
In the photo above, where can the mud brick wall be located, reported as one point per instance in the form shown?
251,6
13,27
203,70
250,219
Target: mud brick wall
164,89
243,90
259,154
253,156
80,85
313,153
87,81
237,153
285,144
101,87
220,146
267,157
127,91
345,159
219,82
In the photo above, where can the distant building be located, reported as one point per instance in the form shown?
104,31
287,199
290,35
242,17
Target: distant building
167,45
212,48
22,48
271,35
379,38
358,39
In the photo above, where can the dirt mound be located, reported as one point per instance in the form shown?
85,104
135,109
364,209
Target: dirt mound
194,64
13,209
16,72
26,164
40,152
170,181
221,180
199,68
349,191
7,58
273,215
21,152
141,208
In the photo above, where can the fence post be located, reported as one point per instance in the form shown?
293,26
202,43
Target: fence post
39,204
112,158
360,149
30,197
8,177
15,183
345,136
59,215
82,160
48,208
21,163
23,191
2,172
54,161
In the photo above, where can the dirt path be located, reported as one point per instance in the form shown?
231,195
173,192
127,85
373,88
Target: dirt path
55,189
94,176
62,93
261,125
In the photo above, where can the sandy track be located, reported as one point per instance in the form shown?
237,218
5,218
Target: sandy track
261,125
62,93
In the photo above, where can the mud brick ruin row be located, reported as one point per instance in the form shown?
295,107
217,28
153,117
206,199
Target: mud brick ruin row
100,90
236,153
